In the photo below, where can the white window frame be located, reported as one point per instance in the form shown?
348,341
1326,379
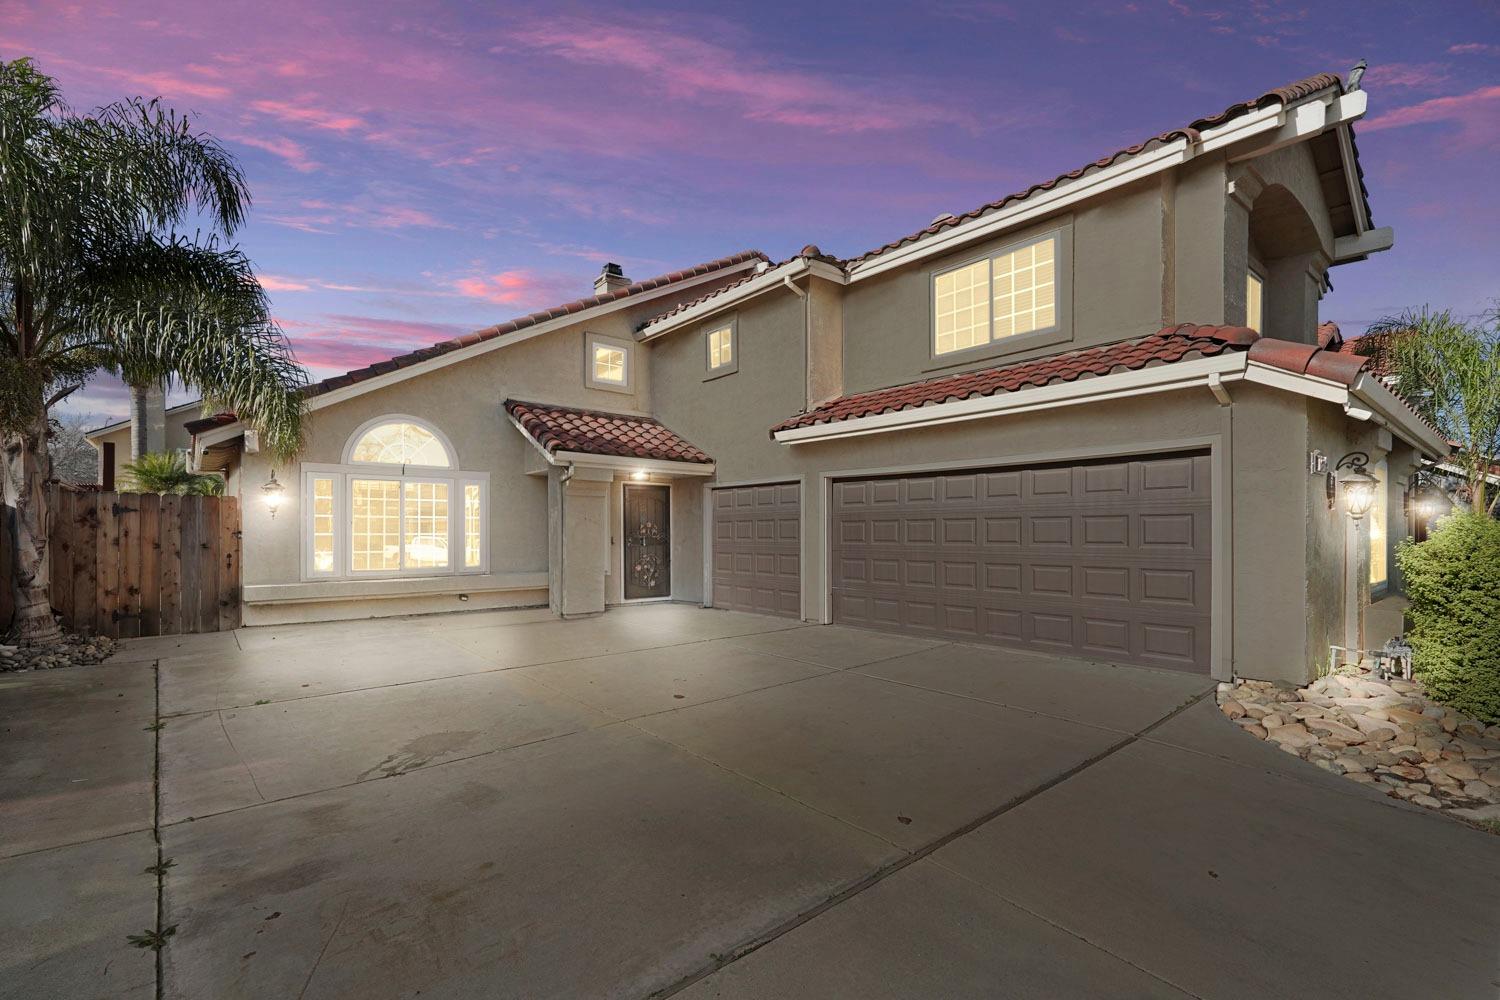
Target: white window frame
731,366
343,475
592,342
1061,329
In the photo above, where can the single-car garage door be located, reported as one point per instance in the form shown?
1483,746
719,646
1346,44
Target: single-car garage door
757,549
1107,560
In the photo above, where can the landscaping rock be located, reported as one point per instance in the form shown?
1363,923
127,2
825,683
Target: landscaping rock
74,650
1376,732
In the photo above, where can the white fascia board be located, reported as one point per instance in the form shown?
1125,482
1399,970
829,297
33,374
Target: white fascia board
658,465
520,336
1390,412
122,424
1123,385
1351,177
1307,385
1042,203
767,280
1352,248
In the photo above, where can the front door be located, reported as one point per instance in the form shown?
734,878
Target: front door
648,542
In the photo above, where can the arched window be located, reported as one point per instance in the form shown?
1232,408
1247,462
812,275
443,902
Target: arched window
397,506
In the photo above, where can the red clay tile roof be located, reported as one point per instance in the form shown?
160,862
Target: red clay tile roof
1289,94
490,333
593,432
1172,344
682,306
209,423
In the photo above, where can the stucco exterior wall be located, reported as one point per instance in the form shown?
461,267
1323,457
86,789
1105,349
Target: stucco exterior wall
178,439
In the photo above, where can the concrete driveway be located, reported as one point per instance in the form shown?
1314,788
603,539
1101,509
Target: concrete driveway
668,800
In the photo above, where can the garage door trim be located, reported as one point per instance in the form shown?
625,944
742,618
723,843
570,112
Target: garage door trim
1221,551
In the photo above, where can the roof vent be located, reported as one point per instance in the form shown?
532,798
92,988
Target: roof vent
945,217
611,278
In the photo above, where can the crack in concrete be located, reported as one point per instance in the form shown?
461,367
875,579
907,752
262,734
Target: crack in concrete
243,762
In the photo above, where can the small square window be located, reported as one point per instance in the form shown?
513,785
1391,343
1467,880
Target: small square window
720,353
607,363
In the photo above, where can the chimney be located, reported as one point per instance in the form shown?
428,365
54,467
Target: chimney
610,279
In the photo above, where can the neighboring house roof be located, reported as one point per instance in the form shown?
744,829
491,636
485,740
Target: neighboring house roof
209,423
595,432
1170,345
1288,94
1377,347
122,424
521,323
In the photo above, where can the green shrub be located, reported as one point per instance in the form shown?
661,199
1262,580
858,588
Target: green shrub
1453,581
167,472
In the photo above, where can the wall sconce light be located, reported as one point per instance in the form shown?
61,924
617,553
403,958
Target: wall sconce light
273,493
640,475
1357,483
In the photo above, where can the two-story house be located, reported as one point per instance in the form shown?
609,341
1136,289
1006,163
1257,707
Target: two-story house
1093,417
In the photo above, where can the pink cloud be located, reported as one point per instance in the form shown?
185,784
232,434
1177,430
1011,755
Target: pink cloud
337,342
1477,115
1473,48
276,283
171,85
519,288
1412,76
689,67
294,155
302,114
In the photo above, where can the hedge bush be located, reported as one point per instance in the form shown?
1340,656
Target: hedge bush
1453,581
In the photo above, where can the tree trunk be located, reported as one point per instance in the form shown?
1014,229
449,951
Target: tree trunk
139,422
27,468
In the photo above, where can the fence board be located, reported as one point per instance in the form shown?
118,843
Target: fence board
83,531
170,591
148,601
190,520
60,553
229,564
108,585
208,566
129,516
7,567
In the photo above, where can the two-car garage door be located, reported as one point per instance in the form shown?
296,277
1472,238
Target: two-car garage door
1108,560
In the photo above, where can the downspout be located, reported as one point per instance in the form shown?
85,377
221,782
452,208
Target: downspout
1226,423
786,279
562,537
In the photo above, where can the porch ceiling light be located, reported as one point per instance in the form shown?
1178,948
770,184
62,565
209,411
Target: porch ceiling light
1357,483
273,493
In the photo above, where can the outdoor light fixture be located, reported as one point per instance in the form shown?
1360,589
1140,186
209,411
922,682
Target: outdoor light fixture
639,475
274,493
1359,486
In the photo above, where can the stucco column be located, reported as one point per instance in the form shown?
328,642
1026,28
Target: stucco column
578,505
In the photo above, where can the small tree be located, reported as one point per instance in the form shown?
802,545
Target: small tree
167,472
74,460
95,275
1449,370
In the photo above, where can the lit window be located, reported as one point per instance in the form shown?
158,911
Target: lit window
472,526
720,348
1378,569
400,443
322,524
391,511
1255,297
1007,295
609,364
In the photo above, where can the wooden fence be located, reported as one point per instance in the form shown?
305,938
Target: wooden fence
133,564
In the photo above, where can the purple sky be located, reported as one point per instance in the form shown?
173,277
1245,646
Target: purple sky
423,169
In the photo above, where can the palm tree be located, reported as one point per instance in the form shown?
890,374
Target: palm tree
1449,369
96,276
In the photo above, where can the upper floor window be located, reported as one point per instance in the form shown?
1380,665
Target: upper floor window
607,363
1007,294
1255,300
395,507
720,355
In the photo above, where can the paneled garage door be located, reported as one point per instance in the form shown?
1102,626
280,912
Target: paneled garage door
757,549
1107,560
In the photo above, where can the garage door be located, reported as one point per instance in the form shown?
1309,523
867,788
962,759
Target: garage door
757,549
1107,560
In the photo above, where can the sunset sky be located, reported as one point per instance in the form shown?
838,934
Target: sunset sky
423,169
